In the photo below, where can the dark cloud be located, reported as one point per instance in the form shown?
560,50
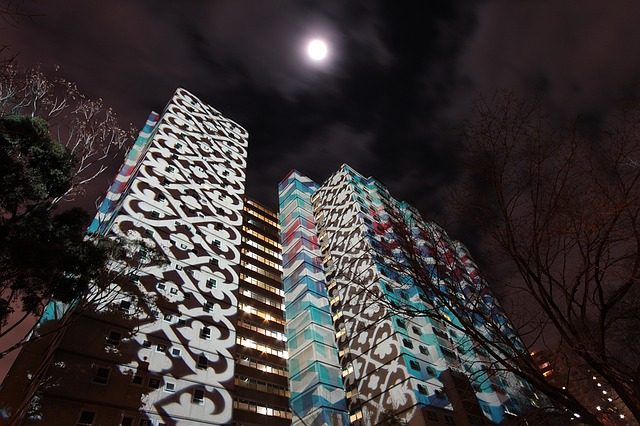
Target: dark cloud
401,79
580,58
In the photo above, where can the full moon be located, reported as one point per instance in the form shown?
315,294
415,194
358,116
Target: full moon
317,50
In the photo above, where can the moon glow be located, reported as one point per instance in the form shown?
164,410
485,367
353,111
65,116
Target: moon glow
317,50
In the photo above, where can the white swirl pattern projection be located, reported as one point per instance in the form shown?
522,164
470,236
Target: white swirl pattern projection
186,200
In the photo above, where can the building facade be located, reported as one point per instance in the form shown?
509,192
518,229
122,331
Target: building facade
208,347
338,242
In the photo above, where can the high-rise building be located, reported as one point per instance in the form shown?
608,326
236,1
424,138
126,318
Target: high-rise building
345,338
181,191
261,395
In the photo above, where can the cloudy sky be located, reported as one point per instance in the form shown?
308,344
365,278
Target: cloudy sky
401,77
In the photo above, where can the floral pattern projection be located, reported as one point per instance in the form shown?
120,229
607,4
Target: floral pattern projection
315,380
186,201
373,358
392,363
497,394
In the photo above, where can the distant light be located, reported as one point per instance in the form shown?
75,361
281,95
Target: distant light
604,392
577,415
609,399
598,408
317,50
622,416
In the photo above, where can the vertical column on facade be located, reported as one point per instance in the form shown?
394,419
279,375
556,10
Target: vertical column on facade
316,386
109,205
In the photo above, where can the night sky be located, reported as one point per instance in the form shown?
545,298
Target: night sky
401,79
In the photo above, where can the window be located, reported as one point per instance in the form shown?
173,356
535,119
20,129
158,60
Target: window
208,307
170,169
168,317
198,396
125,305
148,232
169,387
176,351
155,214
173,290
146,344
205,333
203,362
424,350
161,348
154,383
423,390
407,343
216,243
137,379
401,323
113,339
86,418
431,371
439,394
211,283
161,286
417,330
101,376
414,365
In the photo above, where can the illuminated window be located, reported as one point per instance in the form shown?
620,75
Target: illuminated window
170,387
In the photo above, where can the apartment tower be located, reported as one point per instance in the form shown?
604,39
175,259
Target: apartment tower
188,356
339,280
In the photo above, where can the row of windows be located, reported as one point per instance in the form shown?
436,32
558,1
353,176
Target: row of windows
259,364
259,270
262,299
260,408
269,219
261,208
262,330
274,265
252,344
262,314
251,383
261,236
258,283
260,247
403,324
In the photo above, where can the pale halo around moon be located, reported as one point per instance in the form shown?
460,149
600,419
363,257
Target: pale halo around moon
317,50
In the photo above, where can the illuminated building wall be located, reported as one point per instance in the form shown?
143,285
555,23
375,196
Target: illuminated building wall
181,192
417,368
317,394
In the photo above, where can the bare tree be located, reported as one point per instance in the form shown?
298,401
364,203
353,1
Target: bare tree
563,211
566,209
87,127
